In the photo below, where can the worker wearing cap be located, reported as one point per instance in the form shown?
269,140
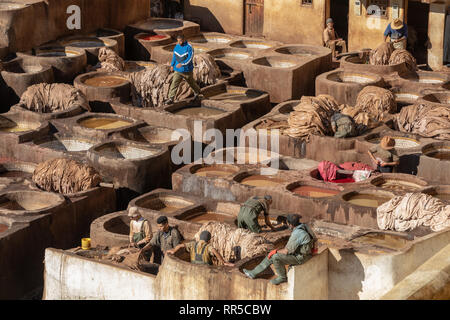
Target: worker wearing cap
299,249
164,240
183,65
331,38
249,213
201,252
397,31
140,229
383,155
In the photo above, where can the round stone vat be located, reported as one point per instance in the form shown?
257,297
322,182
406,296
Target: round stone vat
16,169
161,24
425,78
66,62
103,86
437,98
251,44
230,54
197,112
136,167
7,6
92,45
144,43
242,155
357,63
275,62
204,216
255,179
136,66
237,94
299,51
400,142
404,97
197,48
311,190
437,150
66,144
398,182
315,174
345,86
213,38
21,126
25,202
440,192
19,74
151,135
111,230
163,203
385,240
114,35
215,170
103,122
367,198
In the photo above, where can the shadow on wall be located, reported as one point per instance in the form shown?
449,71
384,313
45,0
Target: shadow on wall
346,275
208,21
409,163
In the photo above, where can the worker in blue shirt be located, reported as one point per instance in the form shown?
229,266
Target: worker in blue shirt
298,250
397,31
182,64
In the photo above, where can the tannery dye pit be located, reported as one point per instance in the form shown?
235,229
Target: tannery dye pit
105,81
104,123
314,192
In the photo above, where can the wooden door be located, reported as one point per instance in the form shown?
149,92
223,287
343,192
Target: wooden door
254,17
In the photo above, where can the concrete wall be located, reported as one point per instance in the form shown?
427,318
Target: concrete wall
430,281
44,21
217,15
290,22
436,27
365,31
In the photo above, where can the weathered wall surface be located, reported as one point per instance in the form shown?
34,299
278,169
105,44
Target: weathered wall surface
290,22
217,15
436,27
44,21
365,31
362,276
431,281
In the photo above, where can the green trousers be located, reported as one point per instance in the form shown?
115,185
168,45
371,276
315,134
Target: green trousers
279,260
176,80
248,219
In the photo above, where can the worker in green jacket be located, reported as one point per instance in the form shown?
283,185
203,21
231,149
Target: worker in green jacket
298,250
250,210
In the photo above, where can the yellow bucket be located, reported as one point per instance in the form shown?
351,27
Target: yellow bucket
85,243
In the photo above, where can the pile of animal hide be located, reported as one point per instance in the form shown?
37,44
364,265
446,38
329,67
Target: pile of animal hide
150,87
425,120
269,124
402,55
412,210
381,54
129,257
373,105
235,244
65,176
206,70
109,60
48,98
312,116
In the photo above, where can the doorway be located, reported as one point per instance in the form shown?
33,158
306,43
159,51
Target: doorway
254,17
418,30
339,13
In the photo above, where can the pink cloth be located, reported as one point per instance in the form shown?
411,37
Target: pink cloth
327,170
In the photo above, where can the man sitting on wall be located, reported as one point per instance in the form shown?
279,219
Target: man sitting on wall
201,251
165,239
331,39
398,33
298,250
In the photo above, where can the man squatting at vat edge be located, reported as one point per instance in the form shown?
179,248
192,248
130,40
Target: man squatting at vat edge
299,249
183,65
250,210
201,251
165,239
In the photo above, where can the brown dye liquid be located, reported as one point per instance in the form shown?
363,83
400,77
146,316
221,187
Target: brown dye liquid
211,216
261,181
399,185
441,155
212,172
314,192
3,227
368,200
15,174
200,112
18,128
383,240
104,123
105,81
